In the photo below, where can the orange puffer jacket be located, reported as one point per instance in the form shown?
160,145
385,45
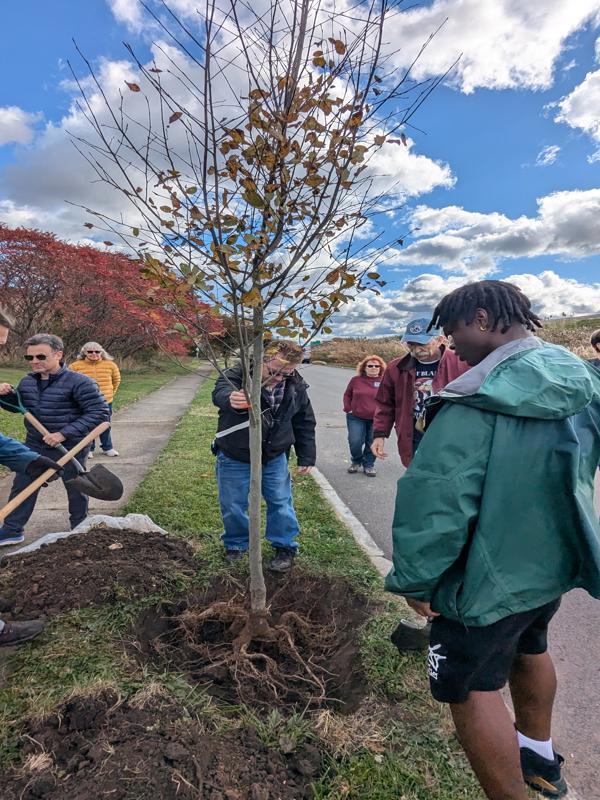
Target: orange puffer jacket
105,373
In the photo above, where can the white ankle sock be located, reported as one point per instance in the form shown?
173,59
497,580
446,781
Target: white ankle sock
543,749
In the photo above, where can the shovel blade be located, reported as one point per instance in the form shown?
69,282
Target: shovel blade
99,482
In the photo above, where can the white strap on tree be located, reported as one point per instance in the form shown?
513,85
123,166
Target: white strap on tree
240,426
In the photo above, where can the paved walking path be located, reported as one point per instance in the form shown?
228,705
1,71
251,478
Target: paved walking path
139,432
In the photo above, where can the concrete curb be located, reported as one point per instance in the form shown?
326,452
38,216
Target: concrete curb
361,534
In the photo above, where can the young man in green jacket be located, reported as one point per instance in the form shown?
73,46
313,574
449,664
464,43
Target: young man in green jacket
494,522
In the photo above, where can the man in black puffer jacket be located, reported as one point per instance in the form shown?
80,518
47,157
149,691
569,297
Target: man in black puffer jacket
288,420
69,405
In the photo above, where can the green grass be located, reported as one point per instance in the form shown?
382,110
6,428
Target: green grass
135,385
398,745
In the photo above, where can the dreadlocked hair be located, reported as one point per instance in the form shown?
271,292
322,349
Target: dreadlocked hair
504,302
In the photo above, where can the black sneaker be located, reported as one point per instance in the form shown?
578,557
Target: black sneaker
231,556
542,774
15,633
284,559
407,637
354,468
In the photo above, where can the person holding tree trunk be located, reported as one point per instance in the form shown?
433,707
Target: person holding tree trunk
20,459
287,420
494,522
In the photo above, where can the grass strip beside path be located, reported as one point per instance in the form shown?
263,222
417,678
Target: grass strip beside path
398,746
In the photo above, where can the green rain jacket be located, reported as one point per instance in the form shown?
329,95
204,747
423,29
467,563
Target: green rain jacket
495,515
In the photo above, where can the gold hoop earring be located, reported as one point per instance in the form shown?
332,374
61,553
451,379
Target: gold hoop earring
483,327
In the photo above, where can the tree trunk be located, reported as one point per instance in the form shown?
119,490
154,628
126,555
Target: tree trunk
258,592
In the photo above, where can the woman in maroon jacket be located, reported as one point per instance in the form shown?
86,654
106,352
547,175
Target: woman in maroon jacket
359,405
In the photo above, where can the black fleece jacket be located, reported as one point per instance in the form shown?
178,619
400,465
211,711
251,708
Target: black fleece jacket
293,424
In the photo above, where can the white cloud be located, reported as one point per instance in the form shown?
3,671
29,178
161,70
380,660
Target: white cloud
547,155
39,184
473,244
550,294
502,44
129,13
581,108
17,125
505,44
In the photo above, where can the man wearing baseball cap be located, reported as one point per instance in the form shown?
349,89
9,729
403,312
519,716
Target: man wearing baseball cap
407,383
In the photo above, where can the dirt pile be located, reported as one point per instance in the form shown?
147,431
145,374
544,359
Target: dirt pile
313,662
150,747
90,569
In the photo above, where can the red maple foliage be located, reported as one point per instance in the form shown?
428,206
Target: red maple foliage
81,293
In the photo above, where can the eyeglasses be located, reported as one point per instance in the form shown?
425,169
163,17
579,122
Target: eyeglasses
41,357
94,352
373,366
280,373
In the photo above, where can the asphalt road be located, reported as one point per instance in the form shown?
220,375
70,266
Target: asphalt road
575,639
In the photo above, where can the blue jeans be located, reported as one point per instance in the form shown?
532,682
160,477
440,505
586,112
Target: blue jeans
78,503
105,437
360,439
233,482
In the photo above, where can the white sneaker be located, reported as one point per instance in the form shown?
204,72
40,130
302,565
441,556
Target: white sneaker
111,453
90,455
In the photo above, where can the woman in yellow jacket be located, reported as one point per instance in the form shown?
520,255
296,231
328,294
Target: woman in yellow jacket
94,361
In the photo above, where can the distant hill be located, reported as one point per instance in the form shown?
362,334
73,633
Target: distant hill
572,332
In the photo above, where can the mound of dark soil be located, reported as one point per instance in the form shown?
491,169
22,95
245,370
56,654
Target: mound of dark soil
320,619
90,569
95,747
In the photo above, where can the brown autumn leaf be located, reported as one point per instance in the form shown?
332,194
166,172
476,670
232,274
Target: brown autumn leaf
373,275
379,140
340,47
319,58
135,231
133,86
108,244
88,225
175,116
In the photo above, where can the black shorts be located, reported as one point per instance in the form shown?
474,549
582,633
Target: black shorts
479,659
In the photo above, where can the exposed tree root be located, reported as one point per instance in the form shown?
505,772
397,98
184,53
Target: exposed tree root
262,654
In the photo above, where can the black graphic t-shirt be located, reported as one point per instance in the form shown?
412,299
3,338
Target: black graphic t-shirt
424,375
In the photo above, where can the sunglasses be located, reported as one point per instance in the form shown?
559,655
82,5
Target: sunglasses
41,357
95,352
373,366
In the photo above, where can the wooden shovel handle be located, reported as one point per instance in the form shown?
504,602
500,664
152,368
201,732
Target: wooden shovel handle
35,485
36,423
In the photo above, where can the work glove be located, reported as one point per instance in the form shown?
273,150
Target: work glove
40,465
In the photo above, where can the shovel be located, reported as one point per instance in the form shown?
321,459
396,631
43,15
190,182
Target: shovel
99,482
38,482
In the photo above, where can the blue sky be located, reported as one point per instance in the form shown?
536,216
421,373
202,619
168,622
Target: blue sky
507,185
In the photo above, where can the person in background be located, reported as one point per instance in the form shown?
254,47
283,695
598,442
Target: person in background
20,459
359,407
494,522
595,342
407,383
96,363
